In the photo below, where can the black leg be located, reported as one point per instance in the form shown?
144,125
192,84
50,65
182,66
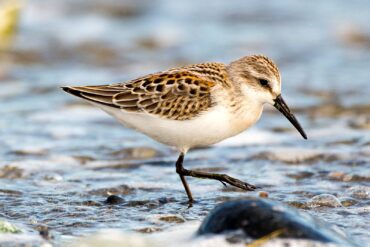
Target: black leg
180,169
223,178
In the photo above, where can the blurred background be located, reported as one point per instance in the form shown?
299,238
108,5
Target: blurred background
60,157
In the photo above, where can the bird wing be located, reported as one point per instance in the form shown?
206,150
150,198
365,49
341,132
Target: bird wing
173,94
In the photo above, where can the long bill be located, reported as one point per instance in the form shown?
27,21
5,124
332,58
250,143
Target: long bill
284,109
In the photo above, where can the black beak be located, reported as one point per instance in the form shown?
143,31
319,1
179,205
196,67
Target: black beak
283,108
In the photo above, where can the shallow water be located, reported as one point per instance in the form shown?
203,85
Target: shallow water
60,158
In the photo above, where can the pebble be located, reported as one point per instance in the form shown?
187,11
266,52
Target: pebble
359,192
347,201
324,200
263,194
113,199
258,218
336,175
172,219
44,232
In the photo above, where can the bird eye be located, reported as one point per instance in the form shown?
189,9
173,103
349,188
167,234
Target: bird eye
264,82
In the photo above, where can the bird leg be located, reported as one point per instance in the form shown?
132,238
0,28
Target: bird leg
180,169
223,178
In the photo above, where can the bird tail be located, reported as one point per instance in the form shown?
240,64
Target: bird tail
95,94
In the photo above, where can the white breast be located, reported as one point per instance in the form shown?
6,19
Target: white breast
208,128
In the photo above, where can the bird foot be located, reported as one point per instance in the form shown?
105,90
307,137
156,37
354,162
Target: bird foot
223,178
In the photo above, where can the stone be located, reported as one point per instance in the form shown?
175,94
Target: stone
258,218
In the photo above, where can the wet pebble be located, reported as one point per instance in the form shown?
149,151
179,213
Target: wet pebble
347,201
53,177
336,175
262,218
164,200
361,123
324,200
113,199
172,219
44,232
10,192
11,172
83,159
341,176
30,151
354,35
301,175
149,229
143,203
298,204
91,203
117,9
136,153
263,194
359,192
356,178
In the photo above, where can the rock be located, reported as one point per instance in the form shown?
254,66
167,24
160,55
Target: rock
337,175
11,172
113,199
348,201
324,200
258,218
301,175
136,153
172,218
91,203
263,194
44,232
149,230
359,192
341,176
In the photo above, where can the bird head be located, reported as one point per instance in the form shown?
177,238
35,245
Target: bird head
259,79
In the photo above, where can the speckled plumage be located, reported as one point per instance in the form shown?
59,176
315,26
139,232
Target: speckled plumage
193,106
189,93
178,94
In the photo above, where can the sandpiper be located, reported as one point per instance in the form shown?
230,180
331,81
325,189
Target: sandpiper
193,106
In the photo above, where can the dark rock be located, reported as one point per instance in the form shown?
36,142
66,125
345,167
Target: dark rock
44,232
258,218
113,199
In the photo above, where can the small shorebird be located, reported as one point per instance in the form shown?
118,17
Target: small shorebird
194,106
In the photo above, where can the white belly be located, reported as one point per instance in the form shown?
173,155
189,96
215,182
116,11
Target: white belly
206,129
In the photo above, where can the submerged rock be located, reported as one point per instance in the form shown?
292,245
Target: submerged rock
261,218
